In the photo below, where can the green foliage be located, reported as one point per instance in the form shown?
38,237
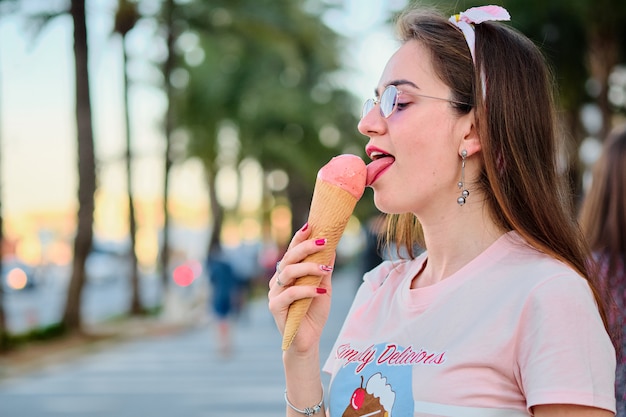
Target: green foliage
11,341
566,31
5,341
268,69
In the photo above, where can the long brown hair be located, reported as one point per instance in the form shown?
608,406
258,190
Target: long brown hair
603,212
515,117
603,221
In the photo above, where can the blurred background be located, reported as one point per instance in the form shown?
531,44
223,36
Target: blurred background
174,124
137,134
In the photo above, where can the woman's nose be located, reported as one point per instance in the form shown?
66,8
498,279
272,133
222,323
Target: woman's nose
372,123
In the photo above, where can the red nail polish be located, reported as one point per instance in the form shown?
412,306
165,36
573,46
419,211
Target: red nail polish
326,268
306,226
321,290
320,242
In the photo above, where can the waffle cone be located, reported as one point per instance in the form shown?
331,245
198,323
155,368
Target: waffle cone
331,208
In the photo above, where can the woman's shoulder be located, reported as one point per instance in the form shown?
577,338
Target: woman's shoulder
521,270
523,258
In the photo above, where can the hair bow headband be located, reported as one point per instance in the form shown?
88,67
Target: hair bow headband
465,21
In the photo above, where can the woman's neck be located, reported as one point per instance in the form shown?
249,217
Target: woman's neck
453,244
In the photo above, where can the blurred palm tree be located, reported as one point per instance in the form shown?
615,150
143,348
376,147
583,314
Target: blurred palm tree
126,17
72,319
268,72
168,16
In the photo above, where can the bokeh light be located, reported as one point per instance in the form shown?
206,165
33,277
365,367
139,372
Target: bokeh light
17,279
183,275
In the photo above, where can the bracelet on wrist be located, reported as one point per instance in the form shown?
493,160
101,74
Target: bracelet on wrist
309,411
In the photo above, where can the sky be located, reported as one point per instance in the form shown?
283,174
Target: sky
38,163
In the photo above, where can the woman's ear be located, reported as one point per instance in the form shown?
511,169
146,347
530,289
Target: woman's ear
471,140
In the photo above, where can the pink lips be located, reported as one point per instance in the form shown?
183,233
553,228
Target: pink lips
377,167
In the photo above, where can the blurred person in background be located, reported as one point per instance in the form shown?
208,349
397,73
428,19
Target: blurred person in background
224,285
603,221
244,259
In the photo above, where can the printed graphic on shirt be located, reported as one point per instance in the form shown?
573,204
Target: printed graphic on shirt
377,380
376,398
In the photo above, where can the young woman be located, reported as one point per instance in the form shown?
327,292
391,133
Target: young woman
497,317
603,220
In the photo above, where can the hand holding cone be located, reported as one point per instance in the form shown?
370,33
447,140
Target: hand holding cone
339,186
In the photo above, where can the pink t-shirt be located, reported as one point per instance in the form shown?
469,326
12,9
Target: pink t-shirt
512,329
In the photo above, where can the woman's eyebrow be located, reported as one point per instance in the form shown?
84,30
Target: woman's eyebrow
403,82
397,83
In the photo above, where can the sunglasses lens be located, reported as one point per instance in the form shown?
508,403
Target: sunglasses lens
367,107
388,101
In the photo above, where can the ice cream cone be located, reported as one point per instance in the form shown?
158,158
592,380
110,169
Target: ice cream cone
331,208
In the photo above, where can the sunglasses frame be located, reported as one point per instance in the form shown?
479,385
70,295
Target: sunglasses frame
393,92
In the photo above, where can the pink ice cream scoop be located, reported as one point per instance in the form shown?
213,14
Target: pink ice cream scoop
339,186
347,172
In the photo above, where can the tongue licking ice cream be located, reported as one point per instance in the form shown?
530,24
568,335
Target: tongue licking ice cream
339,186
377,167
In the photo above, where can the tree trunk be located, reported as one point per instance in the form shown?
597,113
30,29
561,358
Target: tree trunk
86,170
217,212
169,122
136,307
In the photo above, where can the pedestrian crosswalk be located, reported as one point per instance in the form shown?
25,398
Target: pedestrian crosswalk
176,374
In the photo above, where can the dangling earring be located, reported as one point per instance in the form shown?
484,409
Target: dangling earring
464,193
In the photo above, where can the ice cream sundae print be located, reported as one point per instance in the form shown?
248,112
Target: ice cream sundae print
376,398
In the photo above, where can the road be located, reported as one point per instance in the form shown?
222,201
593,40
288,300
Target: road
178,373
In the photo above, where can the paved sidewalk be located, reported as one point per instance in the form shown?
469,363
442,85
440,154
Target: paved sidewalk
178,372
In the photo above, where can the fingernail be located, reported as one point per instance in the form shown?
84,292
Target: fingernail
320,290
320,242
306,226
326,268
